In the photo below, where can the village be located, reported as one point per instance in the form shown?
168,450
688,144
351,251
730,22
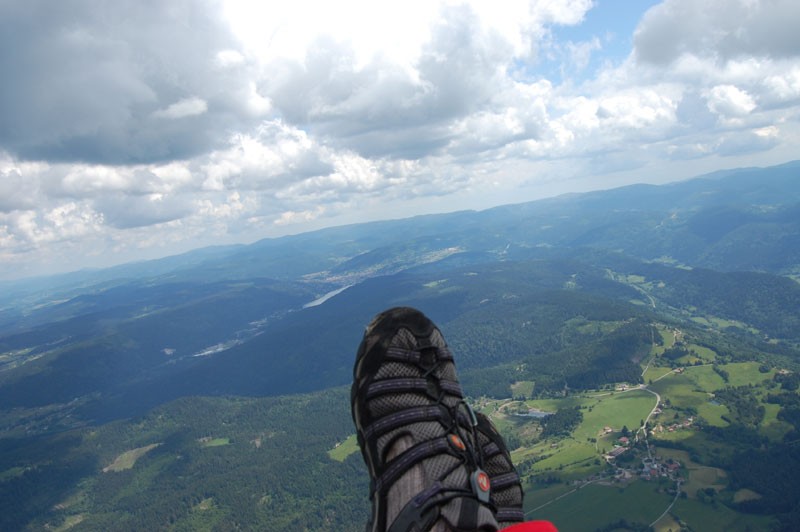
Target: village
650,466
651,469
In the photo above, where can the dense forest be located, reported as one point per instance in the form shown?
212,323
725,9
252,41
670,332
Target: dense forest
224,462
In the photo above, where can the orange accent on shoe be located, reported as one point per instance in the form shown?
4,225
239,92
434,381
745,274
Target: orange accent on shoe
457,443
483,481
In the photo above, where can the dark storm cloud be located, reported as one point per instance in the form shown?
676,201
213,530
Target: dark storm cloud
94,81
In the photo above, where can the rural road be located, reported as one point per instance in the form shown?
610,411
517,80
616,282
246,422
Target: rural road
677,493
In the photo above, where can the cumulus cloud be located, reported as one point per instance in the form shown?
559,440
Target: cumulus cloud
274,155
782,88
730,101
380,108
64,222
83,181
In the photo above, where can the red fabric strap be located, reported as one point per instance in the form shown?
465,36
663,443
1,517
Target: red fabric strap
532,526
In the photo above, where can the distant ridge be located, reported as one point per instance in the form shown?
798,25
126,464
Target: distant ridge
753,216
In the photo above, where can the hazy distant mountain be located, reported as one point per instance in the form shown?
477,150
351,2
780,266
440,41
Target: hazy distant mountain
747,219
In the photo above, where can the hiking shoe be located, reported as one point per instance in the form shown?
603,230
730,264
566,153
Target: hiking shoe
418,437
507,494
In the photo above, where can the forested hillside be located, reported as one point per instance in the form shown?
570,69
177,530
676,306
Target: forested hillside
227,462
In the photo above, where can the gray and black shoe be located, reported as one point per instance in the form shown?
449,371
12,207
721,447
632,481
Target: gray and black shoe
411,419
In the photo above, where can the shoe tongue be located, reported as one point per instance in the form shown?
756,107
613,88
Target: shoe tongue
404,339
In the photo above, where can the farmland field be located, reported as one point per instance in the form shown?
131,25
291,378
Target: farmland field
717,518
689,392
601,505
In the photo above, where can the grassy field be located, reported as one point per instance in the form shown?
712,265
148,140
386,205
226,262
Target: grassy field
656,373
215,442
615,410
128,459
600,505
713,413
722,323
745,494
681,390
537,496
667,524
667,337
14,472
522,388
771,426
612,409
699,355
696,385
568,453
717,518
640,502
70,522
204,516
344,449
743,373
699,476
705,378
578,456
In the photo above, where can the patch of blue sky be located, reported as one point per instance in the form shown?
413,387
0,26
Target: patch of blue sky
576,53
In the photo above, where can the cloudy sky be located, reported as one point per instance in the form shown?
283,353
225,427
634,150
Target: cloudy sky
135,129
